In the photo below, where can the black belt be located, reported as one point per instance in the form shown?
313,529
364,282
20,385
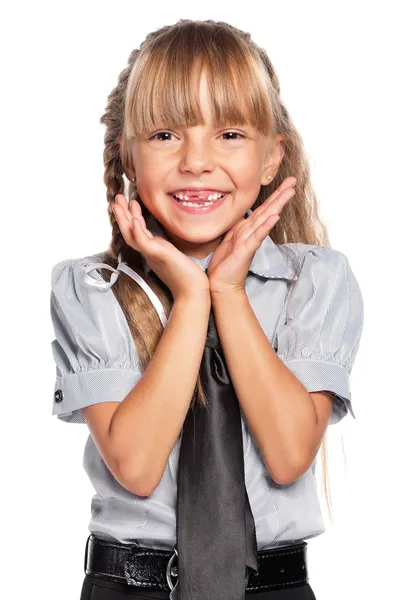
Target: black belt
281,567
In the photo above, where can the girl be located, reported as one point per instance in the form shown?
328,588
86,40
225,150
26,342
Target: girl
221,285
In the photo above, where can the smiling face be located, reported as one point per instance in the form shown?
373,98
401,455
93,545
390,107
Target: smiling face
236,159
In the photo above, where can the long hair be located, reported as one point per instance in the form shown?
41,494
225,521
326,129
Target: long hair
159,89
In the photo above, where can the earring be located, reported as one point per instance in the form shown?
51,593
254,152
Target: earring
268,177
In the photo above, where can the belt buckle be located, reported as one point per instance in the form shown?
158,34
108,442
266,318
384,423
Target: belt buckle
86,553
170,568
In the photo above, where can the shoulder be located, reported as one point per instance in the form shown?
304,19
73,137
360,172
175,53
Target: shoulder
325,280
309,252
324,275
69,269
319,264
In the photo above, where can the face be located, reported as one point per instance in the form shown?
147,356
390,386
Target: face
235,159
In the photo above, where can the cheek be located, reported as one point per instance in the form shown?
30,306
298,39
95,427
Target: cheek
245,175
247,188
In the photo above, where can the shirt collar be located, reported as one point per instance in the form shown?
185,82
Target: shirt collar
268,260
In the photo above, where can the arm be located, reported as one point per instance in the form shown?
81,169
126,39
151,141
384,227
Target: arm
134,417
283,394
281,414
146,424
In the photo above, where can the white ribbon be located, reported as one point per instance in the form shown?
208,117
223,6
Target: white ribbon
123,266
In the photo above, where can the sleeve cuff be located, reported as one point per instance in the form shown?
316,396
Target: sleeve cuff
318,376
76,390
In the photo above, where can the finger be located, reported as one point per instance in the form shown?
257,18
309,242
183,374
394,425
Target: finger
288,183
271,210
135,211
256,237
270,201
120,199
125,226
135,208
139,232
121,213
276,206
278,203
261,214
139,235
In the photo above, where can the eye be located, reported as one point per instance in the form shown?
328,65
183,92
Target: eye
167,133
233,133
160,133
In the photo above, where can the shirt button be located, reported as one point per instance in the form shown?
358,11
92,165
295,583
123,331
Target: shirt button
58,396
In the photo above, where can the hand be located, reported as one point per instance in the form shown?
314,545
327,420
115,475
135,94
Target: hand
180,273
231,260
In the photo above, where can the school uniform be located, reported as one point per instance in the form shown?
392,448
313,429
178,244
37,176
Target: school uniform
314,320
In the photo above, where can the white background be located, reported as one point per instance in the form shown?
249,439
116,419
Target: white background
340,77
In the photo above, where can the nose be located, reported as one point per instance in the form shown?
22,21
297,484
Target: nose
197,156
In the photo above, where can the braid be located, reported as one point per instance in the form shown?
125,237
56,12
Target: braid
113,168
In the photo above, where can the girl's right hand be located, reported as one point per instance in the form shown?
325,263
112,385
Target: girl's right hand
180,273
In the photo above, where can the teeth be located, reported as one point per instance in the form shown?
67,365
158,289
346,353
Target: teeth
185,199
194,203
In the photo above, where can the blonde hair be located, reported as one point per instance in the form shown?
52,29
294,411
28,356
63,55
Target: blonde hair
159,89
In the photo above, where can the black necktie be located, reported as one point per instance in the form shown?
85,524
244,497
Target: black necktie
216,537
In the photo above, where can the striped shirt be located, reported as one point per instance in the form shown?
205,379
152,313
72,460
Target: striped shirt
313,317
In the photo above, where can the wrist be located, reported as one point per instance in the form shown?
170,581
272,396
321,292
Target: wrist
228,294
199,298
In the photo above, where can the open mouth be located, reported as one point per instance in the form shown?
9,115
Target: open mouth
199,205
199,202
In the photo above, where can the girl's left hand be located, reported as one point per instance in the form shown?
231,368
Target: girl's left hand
230,262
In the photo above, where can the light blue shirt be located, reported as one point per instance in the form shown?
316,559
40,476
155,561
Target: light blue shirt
313,318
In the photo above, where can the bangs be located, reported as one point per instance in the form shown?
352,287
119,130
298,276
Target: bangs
163,87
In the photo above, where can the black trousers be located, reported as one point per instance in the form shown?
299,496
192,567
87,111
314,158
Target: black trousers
96,588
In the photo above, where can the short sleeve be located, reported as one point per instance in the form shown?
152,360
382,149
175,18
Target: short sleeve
319,337
95,355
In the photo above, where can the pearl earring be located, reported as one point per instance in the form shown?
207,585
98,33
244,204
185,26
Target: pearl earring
268,177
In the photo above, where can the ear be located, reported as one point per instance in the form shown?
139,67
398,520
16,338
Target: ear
274,157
